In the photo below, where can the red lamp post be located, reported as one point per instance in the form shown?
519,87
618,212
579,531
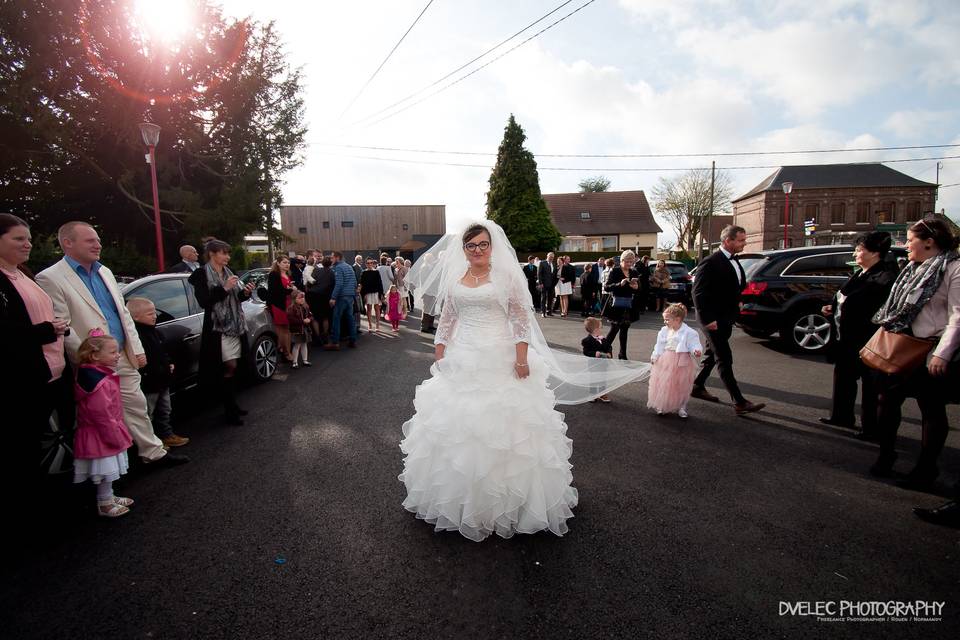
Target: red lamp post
151,136
787,188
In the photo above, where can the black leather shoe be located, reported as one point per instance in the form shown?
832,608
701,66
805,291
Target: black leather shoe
947,514
169,460
836,423
748,407
703,394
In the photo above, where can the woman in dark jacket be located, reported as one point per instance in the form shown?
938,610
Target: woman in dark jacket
621,309
318,297
852,309
223,341
34,377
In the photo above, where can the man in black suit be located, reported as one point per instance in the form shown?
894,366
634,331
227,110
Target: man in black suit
716,293
530,270
188,261
547,282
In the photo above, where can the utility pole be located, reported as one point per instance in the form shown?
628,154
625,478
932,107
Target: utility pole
936,191
704,233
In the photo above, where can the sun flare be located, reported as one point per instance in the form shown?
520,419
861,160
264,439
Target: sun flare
165,20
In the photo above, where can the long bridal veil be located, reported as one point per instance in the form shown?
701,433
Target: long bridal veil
574,378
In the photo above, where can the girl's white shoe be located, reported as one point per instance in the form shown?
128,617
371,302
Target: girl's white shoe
682,413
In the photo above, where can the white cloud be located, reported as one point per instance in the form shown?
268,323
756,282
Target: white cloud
920,124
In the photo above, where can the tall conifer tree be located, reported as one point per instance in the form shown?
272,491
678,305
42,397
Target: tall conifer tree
514,200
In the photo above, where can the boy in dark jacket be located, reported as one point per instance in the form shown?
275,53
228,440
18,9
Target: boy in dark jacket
157,375
596,345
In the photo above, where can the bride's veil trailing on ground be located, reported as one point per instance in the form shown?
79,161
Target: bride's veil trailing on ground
574,378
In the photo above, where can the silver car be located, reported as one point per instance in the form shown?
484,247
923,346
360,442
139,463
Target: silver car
180,320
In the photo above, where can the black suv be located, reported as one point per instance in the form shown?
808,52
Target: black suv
786,289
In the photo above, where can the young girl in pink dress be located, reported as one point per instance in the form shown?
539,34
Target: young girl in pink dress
101,440
394,308
674,363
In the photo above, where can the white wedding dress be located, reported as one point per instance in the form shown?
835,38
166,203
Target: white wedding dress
485,451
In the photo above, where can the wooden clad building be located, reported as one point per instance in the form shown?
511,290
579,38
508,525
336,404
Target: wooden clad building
362,229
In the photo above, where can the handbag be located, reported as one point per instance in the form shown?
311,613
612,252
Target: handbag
622,302
895,352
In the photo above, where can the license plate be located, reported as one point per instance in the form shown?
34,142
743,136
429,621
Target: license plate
676,285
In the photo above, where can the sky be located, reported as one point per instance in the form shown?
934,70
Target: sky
617,77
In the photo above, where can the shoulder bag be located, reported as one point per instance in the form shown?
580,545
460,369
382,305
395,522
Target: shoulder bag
895,352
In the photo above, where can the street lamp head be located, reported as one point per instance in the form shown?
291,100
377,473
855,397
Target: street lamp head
150,133
787,186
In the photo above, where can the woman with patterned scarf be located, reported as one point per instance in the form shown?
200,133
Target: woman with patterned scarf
924,303
222,340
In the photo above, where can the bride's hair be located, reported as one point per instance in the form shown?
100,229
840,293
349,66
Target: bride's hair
473,231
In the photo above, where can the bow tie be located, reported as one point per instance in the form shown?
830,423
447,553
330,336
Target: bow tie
735,257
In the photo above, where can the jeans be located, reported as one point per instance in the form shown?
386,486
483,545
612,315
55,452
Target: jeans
344,307
159,409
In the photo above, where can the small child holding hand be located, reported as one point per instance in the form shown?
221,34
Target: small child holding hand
671,380
596,345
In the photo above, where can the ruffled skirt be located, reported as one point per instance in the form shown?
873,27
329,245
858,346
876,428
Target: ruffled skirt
671,381
485,451
97,470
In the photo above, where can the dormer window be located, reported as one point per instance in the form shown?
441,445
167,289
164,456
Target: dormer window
584,215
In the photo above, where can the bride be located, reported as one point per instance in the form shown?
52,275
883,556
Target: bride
486,452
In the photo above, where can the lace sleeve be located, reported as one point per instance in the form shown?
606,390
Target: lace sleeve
448,322
519,316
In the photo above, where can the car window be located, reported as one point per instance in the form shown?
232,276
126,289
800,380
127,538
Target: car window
168,296
751,264
677,270
822,265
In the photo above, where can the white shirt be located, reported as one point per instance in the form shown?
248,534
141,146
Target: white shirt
736,267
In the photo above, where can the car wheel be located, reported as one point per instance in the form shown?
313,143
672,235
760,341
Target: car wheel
56,448
265,357
808,331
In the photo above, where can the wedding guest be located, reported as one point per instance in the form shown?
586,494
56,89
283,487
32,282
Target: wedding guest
401,273
33,346
546,282
925,303
596,345
716,293
341,301
530,271
621,310
157,376
852,309
279,288
371,290
101,440
394,310
407,265
660,284
589,283
644,296
674,360
299,319
188,260
85,294
565,285
318,296
223,341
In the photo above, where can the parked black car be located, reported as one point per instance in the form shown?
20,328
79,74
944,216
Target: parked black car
787,288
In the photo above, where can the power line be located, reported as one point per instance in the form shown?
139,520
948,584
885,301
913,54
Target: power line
643,155
601,169
946,186
370,79
464,77
463,66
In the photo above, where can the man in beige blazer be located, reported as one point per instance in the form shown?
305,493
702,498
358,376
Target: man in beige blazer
86,295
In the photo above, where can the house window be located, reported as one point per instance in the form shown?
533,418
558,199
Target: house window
811,213
346,223
326,224
793,214
302,230
406,227
888,212
863,213
584,215
838,212
610,242
913,211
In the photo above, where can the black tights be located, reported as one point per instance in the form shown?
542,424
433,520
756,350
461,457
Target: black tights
623,328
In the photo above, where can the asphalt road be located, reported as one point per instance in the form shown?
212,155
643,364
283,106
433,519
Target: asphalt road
685,529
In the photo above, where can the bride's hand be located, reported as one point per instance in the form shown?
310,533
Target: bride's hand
522,369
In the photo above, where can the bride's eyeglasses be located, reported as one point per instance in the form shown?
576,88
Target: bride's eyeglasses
472,247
